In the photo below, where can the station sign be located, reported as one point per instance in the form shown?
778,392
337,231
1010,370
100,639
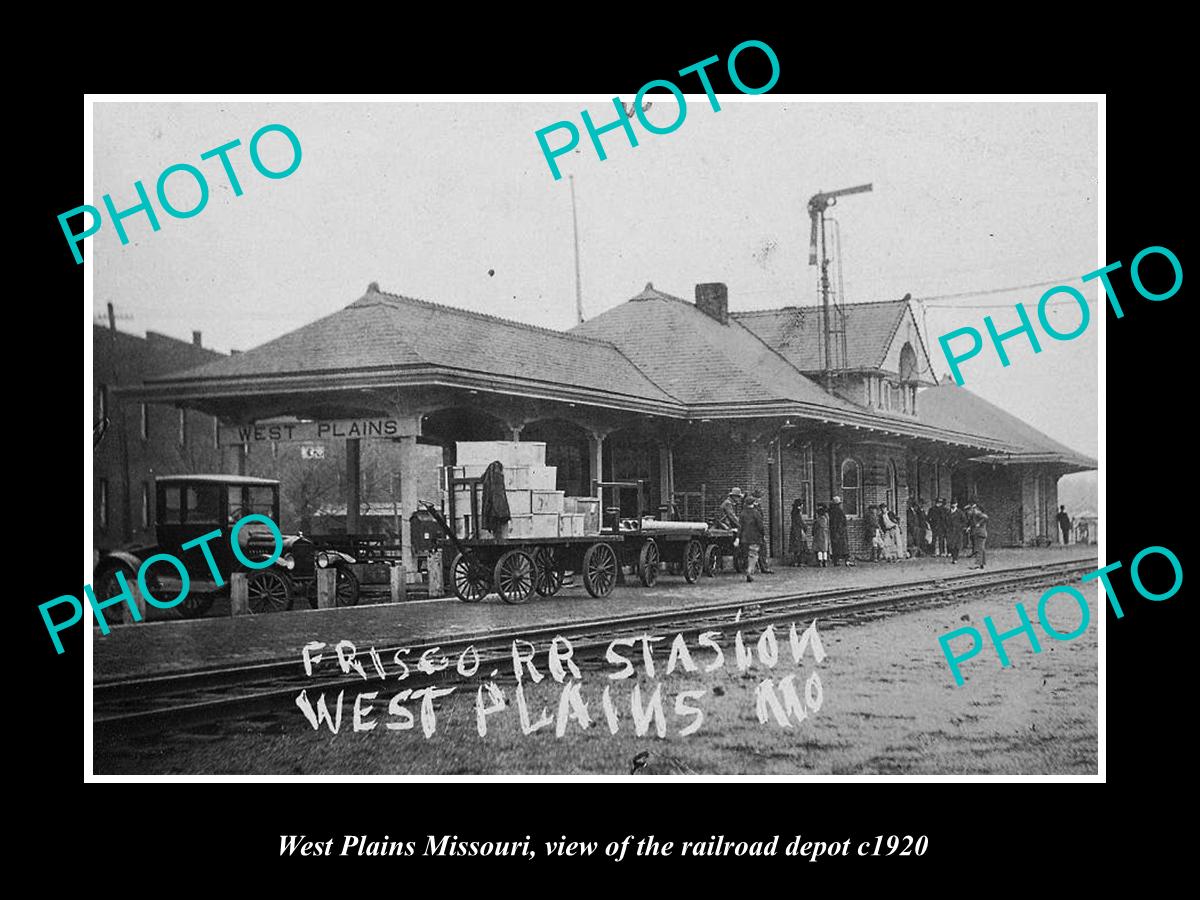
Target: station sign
317,431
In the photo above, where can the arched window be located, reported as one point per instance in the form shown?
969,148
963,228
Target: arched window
893,495
908,363
804,459
851,486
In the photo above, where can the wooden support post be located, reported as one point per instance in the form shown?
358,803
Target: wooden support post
436,582
596,463
239,594
353,484
398,584
326,588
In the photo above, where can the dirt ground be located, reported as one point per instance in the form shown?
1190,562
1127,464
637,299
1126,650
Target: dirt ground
888,706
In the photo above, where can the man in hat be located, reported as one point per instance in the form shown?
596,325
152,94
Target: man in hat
956,523
938,525
727,515
839,534
979,534
1064,524
751,532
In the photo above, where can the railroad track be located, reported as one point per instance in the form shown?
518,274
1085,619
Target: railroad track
177,700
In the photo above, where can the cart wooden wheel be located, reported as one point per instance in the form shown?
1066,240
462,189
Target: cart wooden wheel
712,560
471,582
346,590
515,576
599,570
549,572
693,561
648,560
268,592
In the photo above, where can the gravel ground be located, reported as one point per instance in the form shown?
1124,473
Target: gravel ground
889,706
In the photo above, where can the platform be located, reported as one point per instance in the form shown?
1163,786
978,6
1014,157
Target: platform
159,647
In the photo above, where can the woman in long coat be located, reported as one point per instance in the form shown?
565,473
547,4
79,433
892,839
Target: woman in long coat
891,534
839,535
821,535
798,540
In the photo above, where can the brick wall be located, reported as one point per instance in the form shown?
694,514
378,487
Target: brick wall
721,457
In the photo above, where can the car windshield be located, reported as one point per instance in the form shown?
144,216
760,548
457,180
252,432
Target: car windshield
245,500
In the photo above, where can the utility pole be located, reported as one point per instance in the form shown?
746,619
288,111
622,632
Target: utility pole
578,281
126,523
817,204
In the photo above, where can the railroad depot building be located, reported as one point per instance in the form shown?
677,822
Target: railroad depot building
685,395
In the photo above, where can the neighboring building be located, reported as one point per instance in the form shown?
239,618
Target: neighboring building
140,440
684,395
1085,528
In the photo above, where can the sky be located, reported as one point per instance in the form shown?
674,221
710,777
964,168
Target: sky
454,203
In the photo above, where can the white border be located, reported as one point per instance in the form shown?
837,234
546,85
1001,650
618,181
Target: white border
89,317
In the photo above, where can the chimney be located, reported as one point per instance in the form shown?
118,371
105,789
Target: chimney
713,300
196,339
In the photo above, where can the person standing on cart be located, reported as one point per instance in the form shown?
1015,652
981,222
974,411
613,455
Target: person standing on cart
751,532
727,514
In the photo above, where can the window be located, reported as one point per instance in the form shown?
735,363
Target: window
216,434
102,403
203,503
893,494
145,422
102,502
262,500
172,512
806,481
145,504
182,426
851,486
893,396
908,363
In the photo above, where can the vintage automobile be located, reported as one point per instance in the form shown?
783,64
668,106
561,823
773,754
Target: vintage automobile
189,506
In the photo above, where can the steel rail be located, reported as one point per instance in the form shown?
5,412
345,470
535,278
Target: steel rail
186,703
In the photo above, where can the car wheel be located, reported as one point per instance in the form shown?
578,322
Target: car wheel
268,592
107,586
347,587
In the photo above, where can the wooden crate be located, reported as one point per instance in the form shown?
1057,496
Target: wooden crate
546,502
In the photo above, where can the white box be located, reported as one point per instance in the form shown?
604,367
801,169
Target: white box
543,478
520,502
545,525
510,453
521,526
516,478
546,502
571,525
589,507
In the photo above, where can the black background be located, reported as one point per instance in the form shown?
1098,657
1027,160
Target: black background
982,830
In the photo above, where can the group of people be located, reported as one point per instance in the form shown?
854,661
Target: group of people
944,530
937,530
829,540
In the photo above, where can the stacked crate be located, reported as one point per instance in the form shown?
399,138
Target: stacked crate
534,504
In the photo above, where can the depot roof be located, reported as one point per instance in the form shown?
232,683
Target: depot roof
388,338
797,332
701,361
953,407
656,353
